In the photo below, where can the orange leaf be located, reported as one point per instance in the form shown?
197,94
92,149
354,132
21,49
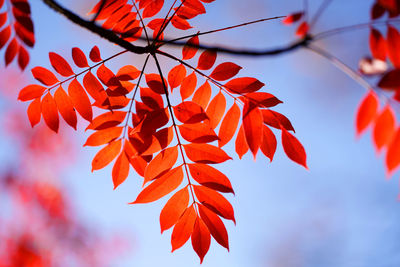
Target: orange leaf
188,86
94,87
189,49
151,99
215,202
80,100
366,112
293,148
120,169
44,76
202,95
34,112
201,238
50,112
197,133
243,85
173,209
161,164
127,73
107,77
107,120
183,228
229,125
205,153
393,46
216,109
225,71
155,83
180,23
207,59
31,92
268,145
196,5
106,155
189,112
79,58
65,107
161,139
276,120
103,137
292,18
60,64
152,8
161,186
262,99
252,126
377,44
215,225
384,128
210,177
393,153
302,30
241,145
176,76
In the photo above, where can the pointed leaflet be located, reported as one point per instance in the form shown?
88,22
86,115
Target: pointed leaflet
252,126
243,85
262,99
276,120
65,107
174,208
120,169
106,155
152,8
176,76
103,137
293,148
384,128
151,99
268,145
391,80
207,59
183,228
79,58
107,120
11,51
80,100
393,153
161,186
302,30
202,95
241,146
215,225
366,111
215,202
225,71
201,238
161,163
180,23
196,5
216,109
94,54
188,86
50,112
210,177
189,49
292,18
44,76
197,133
31,92
34,111
60,64
393,46
229,125
205,153
155,83
107,77
23,58
377,44
5,36
127,73
189,112
94,87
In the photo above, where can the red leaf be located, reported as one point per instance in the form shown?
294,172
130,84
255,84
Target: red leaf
215,225
215,202
151,99
393,153
183,228
94,54
225,71
127,73
5,36
23,57
276,120
196,5
94,87
292,18
161,164
107,120
302,30
262,99
80,100
103,137
241,145
197,133
391,80
31,92
210,177
161,186
366,112
201,238
50,112
11,51
176,76
188,86
216,110
393,46
79,58
384,128
155,83
190,49
268,145
243,85
252,126
65,107
189,112
34,112
174,209
180,23
202,95
207,59
377,44
293,148
205,153
60,65
107,77
152,8
229,125
120,169
44,76
106,155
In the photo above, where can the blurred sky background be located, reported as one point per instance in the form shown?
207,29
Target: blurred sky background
341,212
